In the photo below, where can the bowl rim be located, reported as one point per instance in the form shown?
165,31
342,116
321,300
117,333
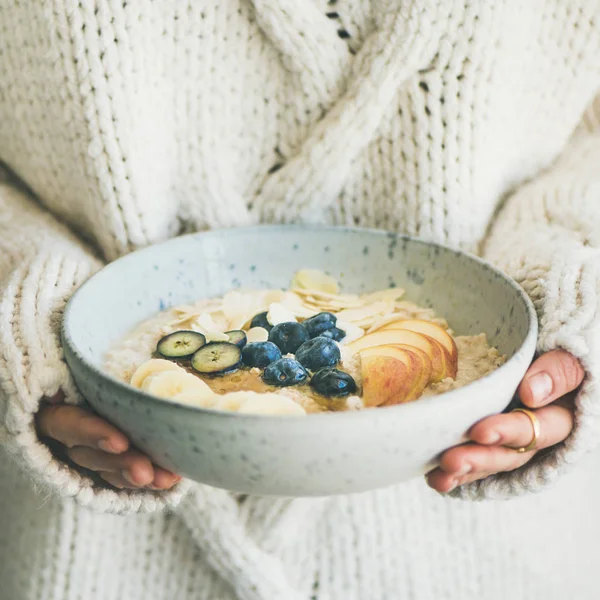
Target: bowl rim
528,343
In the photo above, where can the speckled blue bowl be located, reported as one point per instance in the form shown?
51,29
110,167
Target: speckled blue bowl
329,453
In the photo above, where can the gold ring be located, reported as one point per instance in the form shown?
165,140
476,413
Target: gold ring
536,430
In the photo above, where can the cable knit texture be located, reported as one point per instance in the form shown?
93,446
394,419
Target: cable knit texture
469,123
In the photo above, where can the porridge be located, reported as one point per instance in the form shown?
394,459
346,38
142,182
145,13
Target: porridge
304,350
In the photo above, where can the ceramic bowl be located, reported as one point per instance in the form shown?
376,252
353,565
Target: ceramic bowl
320,454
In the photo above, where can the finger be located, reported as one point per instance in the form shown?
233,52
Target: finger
164,480
551,376
441,481
444,482
133,466
115,479
74,426
516,430
469,462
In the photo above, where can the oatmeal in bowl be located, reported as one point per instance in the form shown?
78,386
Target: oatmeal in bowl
308,349
232,359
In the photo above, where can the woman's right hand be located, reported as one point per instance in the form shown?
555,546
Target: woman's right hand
95,444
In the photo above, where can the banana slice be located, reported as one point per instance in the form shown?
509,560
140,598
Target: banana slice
247,402
231,401
204,400
171,383
270,404
313,279
152,367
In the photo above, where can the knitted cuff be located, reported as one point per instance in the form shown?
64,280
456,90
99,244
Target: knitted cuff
570,320
32,299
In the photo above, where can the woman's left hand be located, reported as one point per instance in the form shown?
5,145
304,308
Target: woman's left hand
494,439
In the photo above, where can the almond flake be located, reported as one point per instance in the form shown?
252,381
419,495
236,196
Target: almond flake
352,331
314,279
279,314
364,312
257,334
389,295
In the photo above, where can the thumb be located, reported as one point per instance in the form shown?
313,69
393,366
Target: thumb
550,377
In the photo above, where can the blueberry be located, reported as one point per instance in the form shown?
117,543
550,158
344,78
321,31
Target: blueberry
318,353
333,383
288,337
319,323
285,372
217,358
260,354
260,320
334,333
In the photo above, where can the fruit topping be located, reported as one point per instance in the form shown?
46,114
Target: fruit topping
270,404
169,384
260,320
288,337
333,383
285,372
217,358
321,322
152,367
180,344
335,333
260,354
237,337
318,353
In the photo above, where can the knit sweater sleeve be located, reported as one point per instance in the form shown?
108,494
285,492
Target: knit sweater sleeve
547,237
41,264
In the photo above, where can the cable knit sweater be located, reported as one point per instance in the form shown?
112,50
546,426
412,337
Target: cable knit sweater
472,123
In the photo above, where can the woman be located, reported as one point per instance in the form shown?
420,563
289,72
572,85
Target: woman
468,123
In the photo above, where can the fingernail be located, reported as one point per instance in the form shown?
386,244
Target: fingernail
127,476
452,485
493,437
541,387
466,468
106,446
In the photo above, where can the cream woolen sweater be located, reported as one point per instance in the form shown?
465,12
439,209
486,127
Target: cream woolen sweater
467,122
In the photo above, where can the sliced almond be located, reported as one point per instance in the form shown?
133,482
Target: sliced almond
388,295
364,312
314,279
185,309
352,331
257,334
206,325
278,313
273,296
295,304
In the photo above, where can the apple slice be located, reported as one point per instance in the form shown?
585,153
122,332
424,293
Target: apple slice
385,380
417,362
397,337
433,330
426,365
437,333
